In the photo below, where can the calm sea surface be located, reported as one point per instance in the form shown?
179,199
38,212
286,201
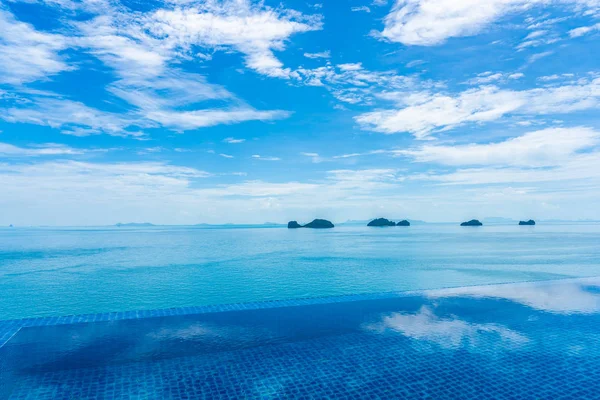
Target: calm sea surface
51,271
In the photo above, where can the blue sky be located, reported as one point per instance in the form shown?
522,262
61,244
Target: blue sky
188,111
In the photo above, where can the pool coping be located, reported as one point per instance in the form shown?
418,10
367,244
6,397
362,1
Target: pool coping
9,328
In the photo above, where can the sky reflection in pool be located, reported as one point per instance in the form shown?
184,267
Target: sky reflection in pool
497,342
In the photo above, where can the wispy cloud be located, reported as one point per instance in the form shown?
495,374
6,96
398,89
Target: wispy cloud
491,77
432,22
142,49
47,149
323,54
232,140
71,116
361,8
28,54
251,29
422,113
538,56
543,148
584,30
263,158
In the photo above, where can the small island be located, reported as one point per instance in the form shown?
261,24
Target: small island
381,222
530,222
315,224
403,223
473,222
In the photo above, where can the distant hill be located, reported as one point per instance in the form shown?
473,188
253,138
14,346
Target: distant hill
366,221
134,224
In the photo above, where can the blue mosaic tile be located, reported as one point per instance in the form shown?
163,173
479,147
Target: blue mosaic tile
501,342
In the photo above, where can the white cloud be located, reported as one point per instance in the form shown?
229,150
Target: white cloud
575,174
538,56
414,63
432,22
364,176
252,29
27,54
259,157
189,120
350,66
149,81
584,30
489,77
547,147
352,83
73,117
361,8
323,54
142,49
535,34
232,140
47,149
422,113
226,155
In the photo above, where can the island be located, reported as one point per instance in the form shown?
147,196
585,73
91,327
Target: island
472,222
315,224
403,223
530,222
381,222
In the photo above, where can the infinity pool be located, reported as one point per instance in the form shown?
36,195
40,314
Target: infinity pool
525,341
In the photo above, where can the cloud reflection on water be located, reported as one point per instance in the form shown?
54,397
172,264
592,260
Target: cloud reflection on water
571,297
449,333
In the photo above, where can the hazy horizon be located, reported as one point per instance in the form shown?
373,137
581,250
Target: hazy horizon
486,220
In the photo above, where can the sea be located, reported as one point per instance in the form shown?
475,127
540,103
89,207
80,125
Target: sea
64,271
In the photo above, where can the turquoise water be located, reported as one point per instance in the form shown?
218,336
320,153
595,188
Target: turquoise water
45,272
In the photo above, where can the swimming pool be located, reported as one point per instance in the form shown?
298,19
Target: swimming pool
528,341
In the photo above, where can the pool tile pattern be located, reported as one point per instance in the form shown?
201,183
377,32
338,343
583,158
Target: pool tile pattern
492,349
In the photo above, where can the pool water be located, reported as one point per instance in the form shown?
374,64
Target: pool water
526,341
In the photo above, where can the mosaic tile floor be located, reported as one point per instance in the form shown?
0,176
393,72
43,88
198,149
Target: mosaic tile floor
538,341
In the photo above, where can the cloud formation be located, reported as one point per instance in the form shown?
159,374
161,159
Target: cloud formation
432,22
423,113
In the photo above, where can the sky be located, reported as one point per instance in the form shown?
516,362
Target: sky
240,111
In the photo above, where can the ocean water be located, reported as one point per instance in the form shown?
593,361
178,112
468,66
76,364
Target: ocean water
62,271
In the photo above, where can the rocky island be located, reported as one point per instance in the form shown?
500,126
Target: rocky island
381,222
403,223
315,224
530,222
473,222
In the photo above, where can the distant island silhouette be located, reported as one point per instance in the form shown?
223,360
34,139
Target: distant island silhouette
473,222
381,222
134,224
315,224
530,222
